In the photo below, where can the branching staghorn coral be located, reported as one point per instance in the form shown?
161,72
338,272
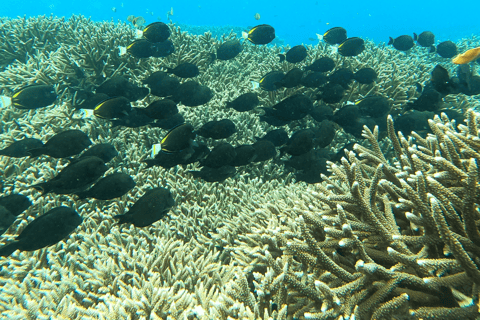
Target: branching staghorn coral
370,241
381,239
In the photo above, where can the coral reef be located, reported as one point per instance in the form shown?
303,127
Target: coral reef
379,239
392,233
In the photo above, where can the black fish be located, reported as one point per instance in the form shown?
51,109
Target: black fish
425,39
244,155
413,121
34,96
6,219
223,154
299,143
119,86
268,81
365,76
200,151
46,230
429,100
141,48
292,79
75,177
92,101
310,166
314,80
220,129
335,35
304,161
15,203
447,49
192,94
215,174
104,151
352,121
441,81
19,149
336,157
402,43
321,112
178,139
264,150
278,137
342,76
373,106
161,84
245,102
135,118
271,119
169,123
261,34
346,114
324,133
472,88
323,64
110,187
161,109
113,108
294,107
184,70
63,145
229,50
294,55
465,81
351,47
156,32
163,49
332,93
151,207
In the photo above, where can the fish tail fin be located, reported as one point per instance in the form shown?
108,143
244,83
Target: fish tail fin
244,35
150,163
82,195
169,70
121,218
195,174
44,187
7,250
36,152
415,36
122,51
432,49
390,41
282,57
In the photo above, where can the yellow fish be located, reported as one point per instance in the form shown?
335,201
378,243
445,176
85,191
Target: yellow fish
467,56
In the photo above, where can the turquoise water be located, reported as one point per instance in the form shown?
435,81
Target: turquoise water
295,22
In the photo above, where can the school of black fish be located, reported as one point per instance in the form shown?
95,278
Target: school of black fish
304,151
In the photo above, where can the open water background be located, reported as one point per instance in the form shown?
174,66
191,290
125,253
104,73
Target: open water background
295,21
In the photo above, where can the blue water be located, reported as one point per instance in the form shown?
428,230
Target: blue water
295,21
